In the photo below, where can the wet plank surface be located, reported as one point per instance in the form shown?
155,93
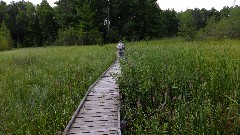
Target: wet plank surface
98,113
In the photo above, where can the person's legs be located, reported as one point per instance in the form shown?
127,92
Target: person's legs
121,54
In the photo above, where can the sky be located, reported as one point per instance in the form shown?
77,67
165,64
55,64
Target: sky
182,5
178,5
35,2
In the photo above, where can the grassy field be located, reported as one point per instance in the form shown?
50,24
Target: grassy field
176,87
169,86
40,88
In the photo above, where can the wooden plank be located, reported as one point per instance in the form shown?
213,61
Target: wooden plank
94,131
99,113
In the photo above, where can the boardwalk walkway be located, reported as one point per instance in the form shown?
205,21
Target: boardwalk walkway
98,112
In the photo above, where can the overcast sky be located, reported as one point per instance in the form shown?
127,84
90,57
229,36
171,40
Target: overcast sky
51,2
182,5
178,5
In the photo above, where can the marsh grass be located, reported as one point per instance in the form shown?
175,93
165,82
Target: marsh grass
40,88
176,87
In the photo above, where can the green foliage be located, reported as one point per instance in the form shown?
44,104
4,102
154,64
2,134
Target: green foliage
225,12
69,37
203,24
233,28
187,28
134,20
227,27
90,32
3,10
177,87
83,28
210,30
66,13
169,23
3,43
10,20
72,36
5,38
33,31
138,19
47,22
22,21
40,88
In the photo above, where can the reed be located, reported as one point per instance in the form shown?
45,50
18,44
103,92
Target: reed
176,87
40,88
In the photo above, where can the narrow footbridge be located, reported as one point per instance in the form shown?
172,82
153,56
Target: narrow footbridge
99,111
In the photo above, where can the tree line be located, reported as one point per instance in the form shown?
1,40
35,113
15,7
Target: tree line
84,22
210,24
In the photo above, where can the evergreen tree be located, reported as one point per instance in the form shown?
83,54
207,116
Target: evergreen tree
5,38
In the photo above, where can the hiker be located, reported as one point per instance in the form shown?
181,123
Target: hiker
121,48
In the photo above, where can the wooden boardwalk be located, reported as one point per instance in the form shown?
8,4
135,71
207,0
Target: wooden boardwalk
98,112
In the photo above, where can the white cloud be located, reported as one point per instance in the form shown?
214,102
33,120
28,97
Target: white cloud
35,2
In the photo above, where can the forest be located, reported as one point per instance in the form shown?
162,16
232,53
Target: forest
85,22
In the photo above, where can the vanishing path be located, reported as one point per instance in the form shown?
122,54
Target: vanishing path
98,112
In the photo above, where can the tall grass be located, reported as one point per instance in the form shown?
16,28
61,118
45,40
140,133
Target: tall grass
177,87
40,88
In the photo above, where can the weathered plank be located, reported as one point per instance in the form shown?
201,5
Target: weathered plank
98,113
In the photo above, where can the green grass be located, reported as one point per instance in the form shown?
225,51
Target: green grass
40,88
169,86
176,87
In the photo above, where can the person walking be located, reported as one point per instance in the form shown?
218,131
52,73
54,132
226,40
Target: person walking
121,48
